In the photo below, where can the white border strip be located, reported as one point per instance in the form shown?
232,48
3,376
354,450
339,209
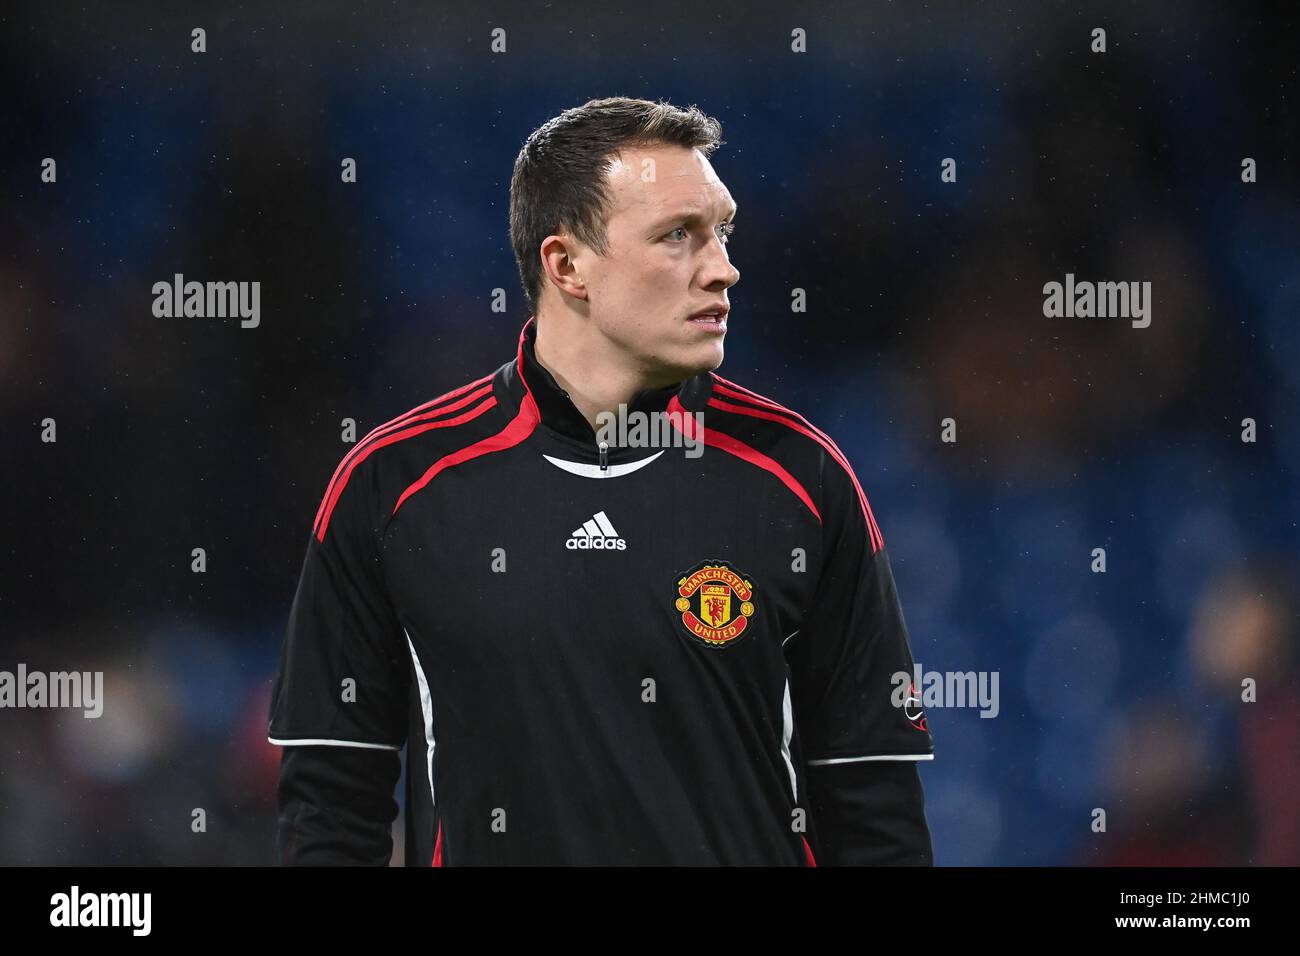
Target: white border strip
426,707
874,757
787,730
330,743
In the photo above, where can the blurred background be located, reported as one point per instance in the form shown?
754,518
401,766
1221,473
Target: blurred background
1119,690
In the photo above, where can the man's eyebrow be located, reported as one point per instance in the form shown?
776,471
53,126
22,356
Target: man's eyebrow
691,215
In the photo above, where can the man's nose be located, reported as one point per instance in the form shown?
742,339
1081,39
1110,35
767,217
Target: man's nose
718,270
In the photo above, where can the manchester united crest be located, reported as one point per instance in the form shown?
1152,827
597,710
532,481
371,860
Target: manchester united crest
715,602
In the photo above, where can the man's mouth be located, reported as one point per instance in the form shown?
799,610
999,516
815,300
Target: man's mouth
713,321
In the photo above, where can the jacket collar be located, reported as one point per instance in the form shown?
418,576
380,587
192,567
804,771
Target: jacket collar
526,379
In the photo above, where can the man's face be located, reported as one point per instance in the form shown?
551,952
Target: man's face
666,262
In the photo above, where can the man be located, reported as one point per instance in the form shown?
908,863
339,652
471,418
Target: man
598,652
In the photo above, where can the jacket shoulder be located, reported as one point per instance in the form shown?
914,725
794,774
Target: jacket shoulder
748,415
373,474
793,443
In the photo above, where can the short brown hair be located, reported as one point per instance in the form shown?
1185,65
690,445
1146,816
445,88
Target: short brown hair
559,177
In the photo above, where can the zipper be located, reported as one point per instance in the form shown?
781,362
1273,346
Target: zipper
603,448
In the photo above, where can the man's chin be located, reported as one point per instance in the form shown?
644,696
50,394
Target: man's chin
697,359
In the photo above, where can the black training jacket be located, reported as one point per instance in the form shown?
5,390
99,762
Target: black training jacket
678,654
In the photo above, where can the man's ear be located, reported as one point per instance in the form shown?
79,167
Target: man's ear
557,252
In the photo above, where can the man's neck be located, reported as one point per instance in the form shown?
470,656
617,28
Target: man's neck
584,366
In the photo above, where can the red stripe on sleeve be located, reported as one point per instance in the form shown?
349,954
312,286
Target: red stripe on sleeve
520,427
684,422
397,436
428,410
804,427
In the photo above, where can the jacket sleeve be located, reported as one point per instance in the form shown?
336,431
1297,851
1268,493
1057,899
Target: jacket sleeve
336,806
860,728
339,703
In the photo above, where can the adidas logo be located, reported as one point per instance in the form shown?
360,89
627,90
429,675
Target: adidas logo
596,534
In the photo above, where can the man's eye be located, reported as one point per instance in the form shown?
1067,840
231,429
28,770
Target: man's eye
727,228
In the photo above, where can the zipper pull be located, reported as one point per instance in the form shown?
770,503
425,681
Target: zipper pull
604,456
